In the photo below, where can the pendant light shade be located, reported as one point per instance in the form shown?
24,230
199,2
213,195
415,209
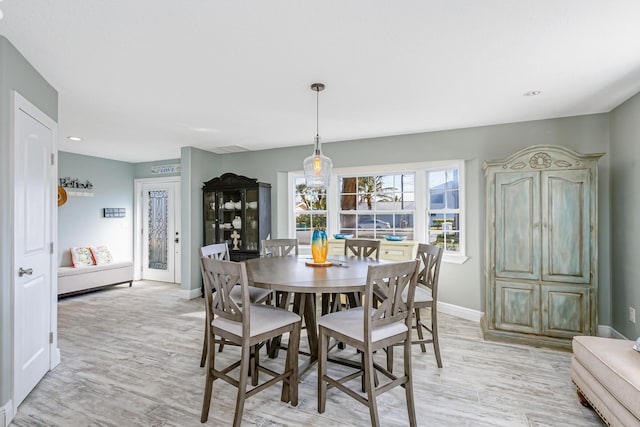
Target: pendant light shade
317,167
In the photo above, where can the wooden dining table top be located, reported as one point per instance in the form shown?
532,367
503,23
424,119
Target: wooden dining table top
291,274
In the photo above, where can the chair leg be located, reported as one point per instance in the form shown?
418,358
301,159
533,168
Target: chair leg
209,384
292,359
371,387
354,299
333,303
408,386
203,358
255,361
242,384
322,370
419,330
363,382
273,346
434,334
363,378
390,358
325,303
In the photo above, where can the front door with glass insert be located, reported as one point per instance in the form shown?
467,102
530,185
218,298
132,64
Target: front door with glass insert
161,232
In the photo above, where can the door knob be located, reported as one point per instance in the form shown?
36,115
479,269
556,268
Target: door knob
22,272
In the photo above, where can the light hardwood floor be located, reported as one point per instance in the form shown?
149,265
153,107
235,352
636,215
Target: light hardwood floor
130,357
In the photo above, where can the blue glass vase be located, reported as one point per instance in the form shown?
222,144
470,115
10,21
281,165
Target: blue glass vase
319,246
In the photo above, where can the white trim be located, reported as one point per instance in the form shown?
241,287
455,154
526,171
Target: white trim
137,219
6,414
461,312
454,259
190,293
609,332
291,209
21,103
461,211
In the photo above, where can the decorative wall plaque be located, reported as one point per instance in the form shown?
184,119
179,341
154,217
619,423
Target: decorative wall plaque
115,212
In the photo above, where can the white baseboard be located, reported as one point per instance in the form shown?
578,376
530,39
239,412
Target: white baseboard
55,358
462,312
609,332
6,414
190,293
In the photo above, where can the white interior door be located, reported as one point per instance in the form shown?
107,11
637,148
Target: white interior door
161,231
34,185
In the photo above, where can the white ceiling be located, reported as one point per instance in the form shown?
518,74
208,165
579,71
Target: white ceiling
140,79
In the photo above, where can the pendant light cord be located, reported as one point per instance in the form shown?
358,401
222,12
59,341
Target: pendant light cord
317,113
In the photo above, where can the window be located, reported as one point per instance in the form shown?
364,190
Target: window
443,209
422,201
372,206
310,210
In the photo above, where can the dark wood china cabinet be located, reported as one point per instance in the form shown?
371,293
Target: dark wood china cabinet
237,210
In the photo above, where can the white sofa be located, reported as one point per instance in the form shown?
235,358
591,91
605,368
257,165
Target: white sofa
607,374
81,279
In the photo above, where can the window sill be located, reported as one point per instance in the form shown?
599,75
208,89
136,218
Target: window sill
454,259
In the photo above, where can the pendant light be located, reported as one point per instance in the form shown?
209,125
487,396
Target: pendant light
317,167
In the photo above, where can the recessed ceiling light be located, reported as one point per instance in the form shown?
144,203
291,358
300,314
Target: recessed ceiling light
533,93
74,138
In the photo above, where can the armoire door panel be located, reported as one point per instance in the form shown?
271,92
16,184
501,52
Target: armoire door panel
566,231
517,225
565,310
517,307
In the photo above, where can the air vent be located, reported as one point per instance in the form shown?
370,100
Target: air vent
229,149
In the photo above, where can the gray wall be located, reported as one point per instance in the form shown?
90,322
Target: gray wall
15,74
625,208
198,166
80,219
462,285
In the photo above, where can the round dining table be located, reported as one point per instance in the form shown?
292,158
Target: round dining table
292,275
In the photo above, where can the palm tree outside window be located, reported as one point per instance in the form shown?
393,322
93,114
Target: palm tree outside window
372,206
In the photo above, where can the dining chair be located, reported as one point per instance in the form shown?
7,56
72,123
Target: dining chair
246,325
360,248
370,328
430,257
426,297
256,295
279,247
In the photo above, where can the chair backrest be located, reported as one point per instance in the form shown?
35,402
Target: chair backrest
362,248
430,257
216,251
387,282
220,277
280,247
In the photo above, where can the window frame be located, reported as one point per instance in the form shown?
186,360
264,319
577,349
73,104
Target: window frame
421,193
311,212
375,213
449,256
